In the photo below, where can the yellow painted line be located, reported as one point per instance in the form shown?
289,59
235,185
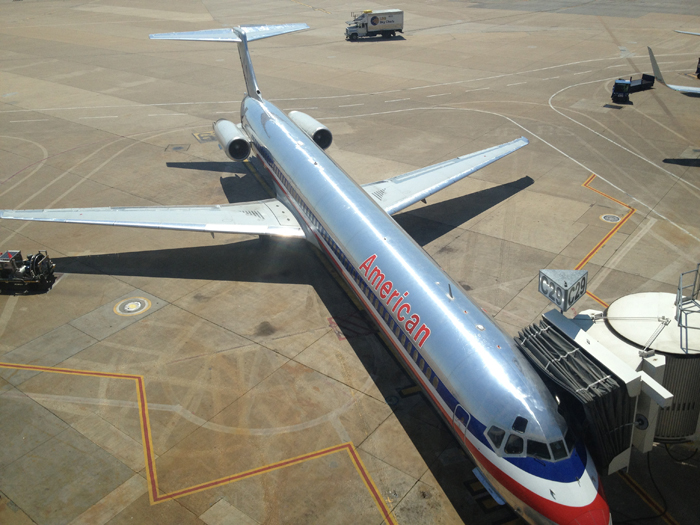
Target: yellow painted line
612,232
648,499
152,475
596,298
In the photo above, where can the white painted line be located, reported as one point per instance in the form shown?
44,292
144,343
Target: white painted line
350,105
105,116
478,89
440,95
34,120
516,84
297,109
397,100
114,502
616,65
166,114
583,72
550,78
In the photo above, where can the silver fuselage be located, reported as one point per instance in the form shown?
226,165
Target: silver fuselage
474,361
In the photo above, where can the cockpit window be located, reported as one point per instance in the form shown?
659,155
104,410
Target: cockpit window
537,449
520,424
496,435
570,440
514,445
558,450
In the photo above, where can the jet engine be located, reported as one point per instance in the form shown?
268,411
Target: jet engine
319,133
234,141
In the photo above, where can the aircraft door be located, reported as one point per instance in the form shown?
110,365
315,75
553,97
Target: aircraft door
460,420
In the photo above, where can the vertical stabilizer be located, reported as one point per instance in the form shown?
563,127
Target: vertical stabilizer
241,35
655,67
251,84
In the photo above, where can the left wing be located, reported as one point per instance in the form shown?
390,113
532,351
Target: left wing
400,192
268,217
686,32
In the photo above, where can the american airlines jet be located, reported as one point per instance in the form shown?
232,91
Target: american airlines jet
485,390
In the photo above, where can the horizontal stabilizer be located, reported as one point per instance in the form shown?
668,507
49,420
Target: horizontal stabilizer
686,32
400,192
252,32
268,217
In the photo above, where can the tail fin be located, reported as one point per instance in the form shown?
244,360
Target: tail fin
241,35
655,67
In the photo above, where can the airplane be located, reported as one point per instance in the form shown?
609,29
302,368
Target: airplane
486,391
686,90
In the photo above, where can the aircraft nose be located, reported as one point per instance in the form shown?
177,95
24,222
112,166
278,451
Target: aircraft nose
593,517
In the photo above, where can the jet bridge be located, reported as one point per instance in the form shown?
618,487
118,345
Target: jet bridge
597,391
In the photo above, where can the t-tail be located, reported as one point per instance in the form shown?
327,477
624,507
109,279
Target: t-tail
241,35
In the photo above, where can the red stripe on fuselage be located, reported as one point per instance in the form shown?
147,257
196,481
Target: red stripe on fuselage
556,512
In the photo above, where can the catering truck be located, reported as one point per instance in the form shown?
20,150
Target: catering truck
383,23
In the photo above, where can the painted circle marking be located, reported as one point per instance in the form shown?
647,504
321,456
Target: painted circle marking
132,306
610,218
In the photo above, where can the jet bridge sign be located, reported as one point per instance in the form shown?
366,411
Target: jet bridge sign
563,287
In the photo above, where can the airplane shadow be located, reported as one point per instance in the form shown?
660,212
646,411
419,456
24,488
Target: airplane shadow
239,186
693,163
294,261
431,222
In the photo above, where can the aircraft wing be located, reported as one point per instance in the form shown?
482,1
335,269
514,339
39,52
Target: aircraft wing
686,32
268,217
400,192
657,72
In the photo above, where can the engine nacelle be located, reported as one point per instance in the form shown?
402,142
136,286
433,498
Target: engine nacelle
319,133
234,141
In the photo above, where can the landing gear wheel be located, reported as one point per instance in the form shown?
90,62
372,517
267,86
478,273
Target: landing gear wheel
353,37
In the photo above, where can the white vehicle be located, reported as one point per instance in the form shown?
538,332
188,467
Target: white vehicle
374,23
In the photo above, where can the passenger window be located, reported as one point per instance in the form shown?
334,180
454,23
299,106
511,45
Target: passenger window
436,381
558,450
537,449
520,424
496,436
514,445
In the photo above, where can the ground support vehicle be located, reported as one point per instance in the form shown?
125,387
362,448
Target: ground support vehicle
622,88
383,23
36,273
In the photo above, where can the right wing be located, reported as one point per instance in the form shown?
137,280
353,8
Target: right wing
657,73
400,192
268,217
686,32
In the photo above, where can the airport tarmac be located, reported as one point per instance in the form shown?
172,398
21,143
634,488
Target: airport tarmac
173,377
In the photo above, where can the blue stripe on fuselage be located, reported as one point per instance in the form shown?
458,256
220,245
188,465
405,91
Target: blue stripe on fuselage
565,471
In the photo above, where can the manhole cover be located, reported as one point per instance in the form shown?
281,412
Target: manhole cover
610,218
178,147
132,306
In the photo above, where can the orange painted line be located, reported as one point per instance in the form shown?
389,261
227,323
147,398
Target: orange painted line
648,499
150,459
253,472
68,371
596,298
612,232
388,516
